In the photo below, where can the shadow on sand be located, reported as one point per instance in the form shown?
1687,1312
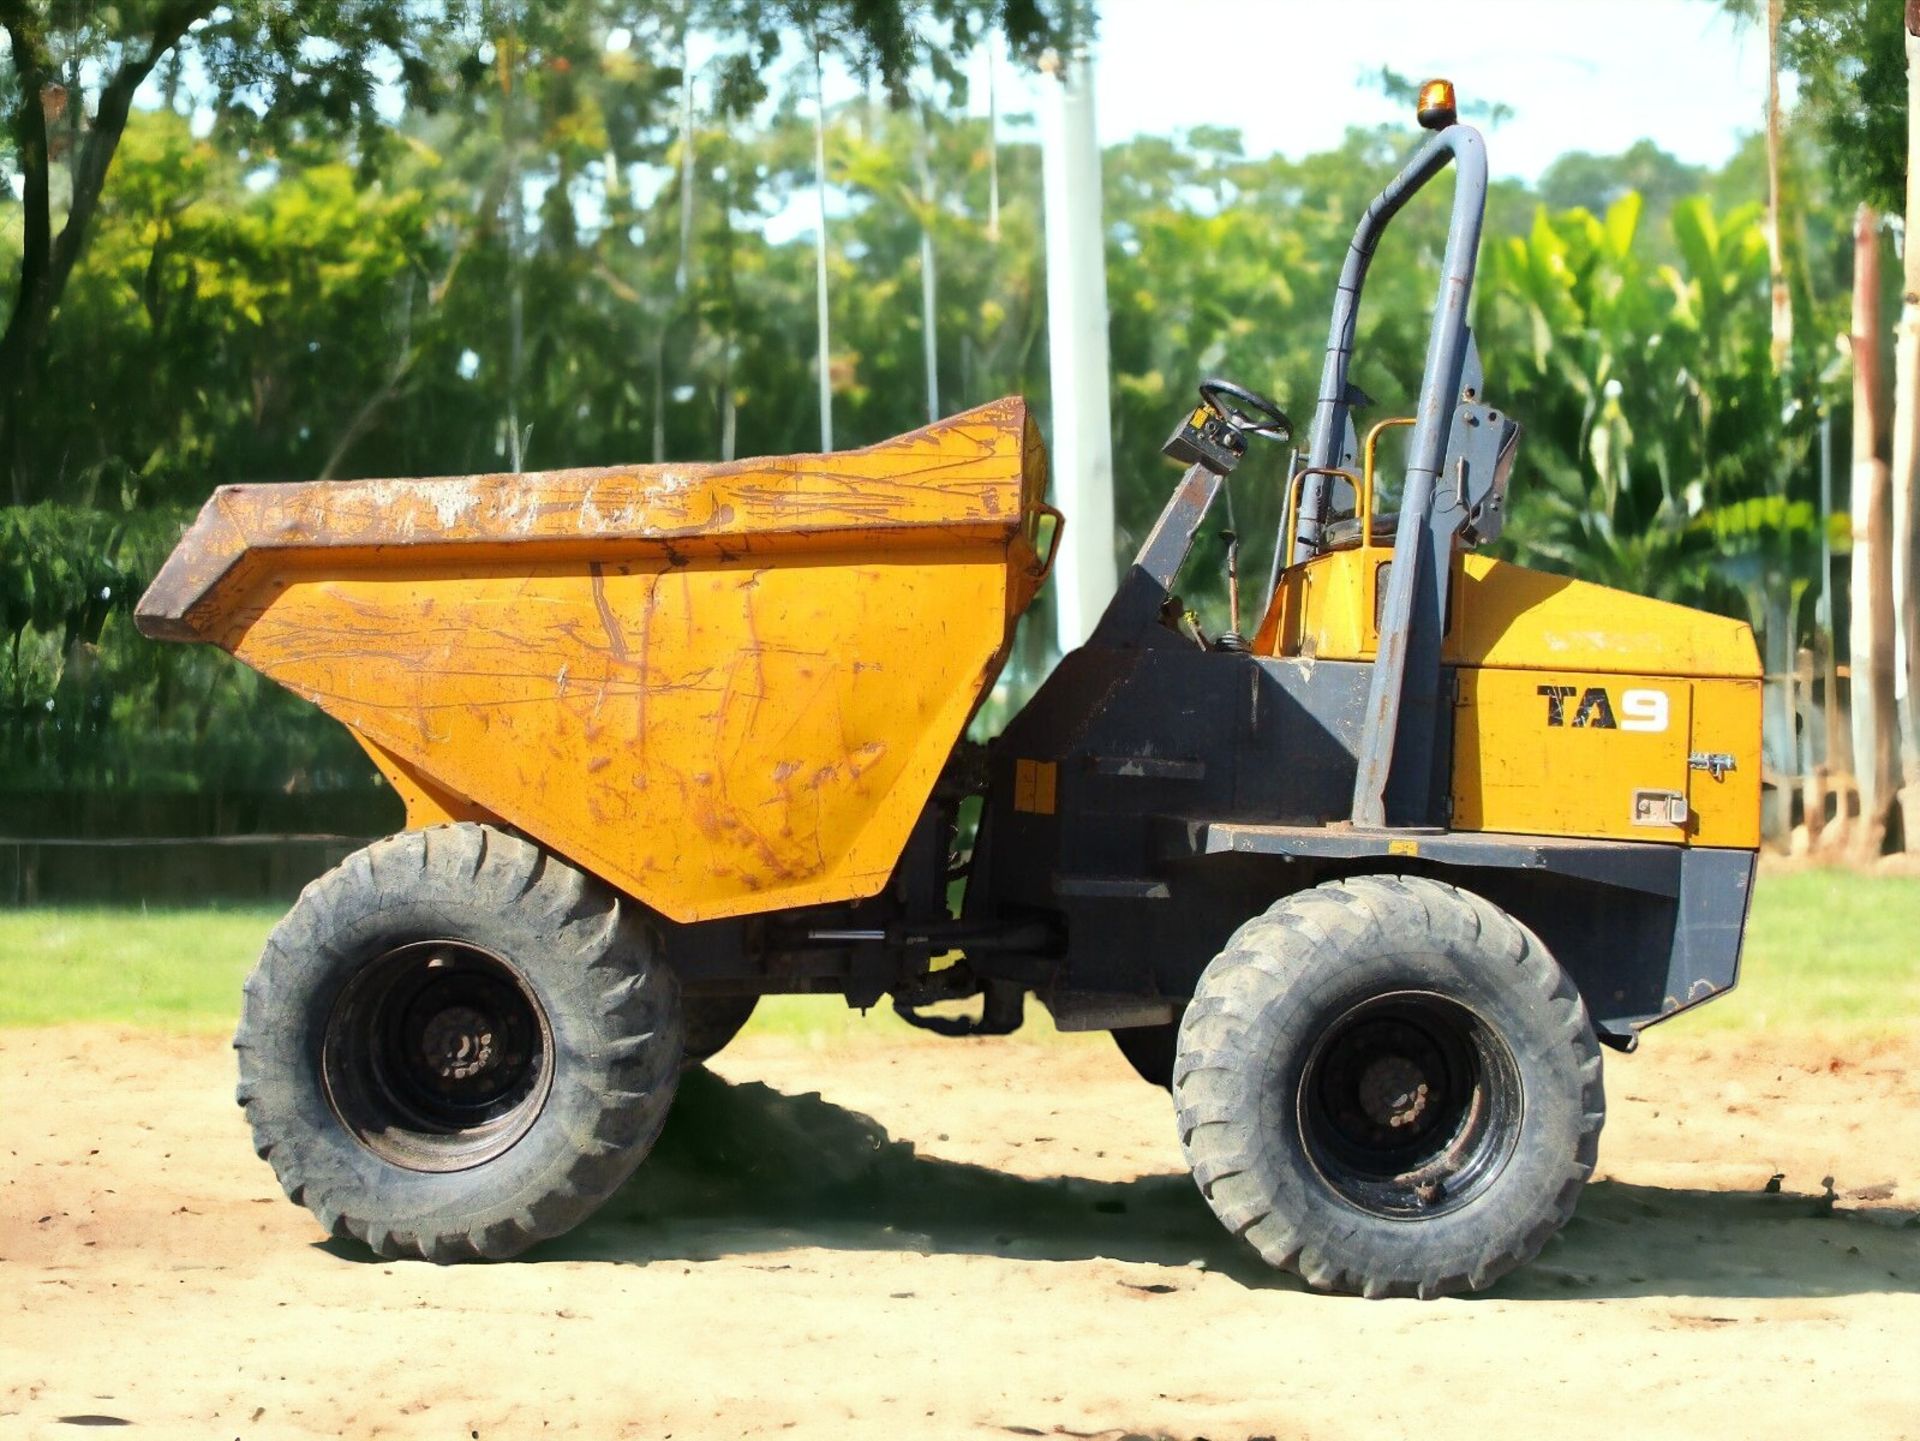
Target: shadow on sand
744,1169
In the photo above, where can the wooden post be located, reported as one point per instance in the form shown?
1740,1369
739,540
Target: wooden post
1813,765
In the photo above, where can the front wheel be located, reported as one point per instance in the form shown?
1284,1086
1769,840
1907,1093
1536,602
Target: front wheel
1389,1086
456,1045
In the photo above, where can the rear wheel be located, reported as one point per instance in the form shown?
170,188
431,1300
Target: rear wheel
1388,1085
456,1045
1149,1050
711,1024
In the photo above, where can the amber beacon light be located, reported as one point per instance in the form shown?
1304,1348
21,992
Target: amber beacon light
1437,108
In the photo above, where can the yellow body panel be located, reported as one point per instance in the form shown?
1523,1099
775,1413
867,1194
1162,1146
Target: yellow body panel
1726,720
1504,615
1324,607
1511,632
725,689
1509,617
1523,764
712,740
427,804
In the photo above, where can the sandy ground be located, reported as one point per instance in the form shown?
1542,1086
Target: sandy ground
983,1238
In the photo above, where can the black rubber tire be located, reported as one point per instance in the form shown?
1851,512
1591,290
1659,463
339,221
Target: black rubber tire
711,1024
1249,1061
1150,1051
585,959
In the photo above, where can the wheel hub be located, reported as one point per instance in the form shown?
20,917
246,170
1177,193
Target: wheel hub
457,1043
1409,1104
438,1056
1394,1092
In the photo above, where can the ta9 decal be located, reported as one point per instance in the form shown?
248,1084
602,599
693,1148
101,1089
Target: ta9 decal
1640,710
1643,710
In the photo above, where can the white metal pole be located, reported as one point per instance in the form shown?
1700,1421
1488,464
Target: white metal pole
820,251
683,272
1085,575
993,148
929,282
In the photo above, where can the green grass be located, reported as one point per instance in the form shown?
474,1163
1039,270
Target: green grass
1826,949
180,969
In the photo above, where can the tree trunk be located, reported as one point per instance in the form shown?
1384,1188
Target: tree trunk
1776,265
33,295
47,260
1906,456
1777,732
512,62
1872,588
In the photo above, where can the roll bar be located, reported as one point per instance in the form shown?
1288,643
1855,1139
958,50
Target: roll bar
1446,342
1406,666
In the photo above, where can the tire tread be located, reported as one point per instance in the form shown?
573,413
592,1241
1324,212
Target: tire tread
632,1074
1253,976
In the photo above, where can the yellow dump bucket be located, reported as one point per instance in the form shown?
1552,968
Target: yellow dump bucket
726,689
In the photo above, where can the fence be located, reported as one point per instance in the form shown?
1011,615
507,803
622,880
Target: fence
1812,801
166,870
163,848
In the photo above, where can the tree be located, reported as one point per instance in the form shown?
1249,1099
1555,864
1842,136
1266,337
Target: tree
1669,451
1872,592
1850,57
287,76
290,72
259,309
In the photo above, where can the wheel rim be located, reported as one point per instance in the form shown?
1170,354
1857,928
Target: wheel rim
1410,1105
438,1056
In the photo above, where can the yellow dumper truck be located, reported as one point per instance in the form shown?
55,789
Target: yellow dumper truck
1367,890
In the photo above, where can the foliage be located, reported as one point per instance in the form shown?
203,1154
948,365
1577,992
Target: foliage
70,90
1672,459
289,83
87,705
1581,180
265,300
1850,57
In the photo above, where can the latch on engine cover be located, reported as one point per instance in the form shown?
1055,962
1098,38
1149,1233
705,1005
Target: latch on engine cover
1714,763
1659,808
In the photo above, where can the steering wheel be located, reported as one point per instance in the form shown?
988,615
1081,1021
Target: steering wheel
1260,417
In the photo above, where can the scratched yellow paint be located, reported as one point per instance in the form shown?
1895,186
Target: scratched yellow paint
427,804
729,694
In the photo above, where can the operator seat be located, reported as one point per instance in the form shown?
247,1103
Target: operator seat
1343,532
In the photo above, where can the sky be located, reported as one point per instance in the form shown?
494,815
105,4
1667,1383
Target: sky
1291,74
